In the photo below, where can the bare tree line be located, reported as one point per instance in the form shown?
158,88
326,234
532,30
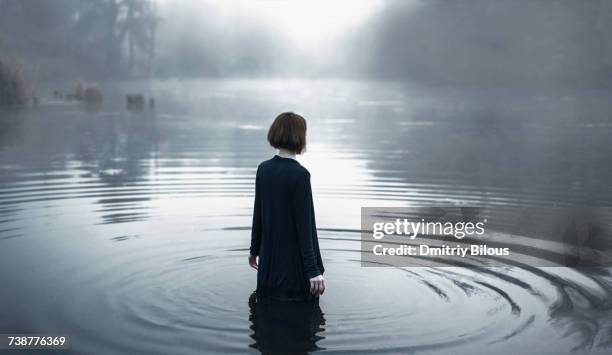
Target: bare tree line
83,37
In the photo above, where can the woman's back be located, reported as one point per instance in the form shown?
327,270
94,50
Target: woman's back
284,231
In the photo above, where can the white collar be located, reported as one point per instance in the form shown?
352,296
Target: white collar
286,154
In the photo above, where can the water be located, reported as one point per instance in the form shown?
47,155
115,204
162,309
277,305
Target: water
128,230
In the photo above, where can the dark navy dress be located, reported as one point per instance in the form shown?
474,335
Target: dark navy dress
284,233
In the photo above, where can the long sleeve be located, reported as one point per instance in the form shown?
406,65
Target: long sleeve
315,240
256,227
303,211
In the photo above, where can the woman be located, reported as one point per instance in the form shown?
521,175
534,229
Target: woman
284,245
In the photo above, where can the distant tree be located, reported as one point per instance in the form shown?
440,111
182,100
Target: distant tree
553,43
139,26
79,38
128,25
12,85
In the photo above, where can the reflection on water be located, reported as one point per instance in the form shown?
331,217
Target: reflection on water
285,327
128,230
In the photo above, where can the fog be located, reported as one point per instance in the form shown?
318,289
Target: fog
558,43
467,42
131,132
265,38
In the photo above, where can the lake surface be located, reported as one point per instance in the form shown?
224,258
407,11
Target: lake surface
129,230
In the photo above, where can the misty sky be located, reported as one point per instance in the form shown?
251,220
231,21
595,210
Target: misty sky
491,42
281,37
554,43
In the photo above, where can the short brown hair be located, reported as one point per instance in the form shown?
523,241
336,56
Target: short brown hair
288,131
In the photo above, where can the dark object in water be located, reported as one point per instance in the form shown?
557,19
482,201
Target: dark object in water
151,103
92,94
79,92
35,101
135,101
58,94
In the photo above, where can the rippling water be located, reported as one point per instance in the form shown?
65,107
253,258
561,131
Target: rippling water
129,230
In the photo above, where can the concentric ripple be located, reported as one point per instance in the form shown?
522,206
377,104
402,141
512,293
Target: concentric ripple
129,231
